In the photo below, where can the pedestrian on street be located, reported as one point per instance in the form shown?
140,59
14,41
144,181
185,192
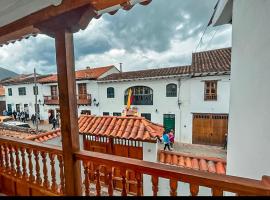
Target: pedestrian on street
166,141
171,138
19,116
54,123
226,140
33,119
14,115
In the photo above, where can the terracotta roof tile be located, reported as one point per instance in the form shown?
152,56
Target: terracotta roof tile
213,165
218,60
43,137
133,128
22,79
85,74
149,73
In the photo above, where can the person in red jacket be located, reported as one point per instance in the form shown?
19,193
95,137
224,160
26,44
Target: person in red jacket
171,137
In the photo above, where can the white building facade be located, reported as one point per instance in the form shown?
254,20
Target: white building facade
192,100
248,139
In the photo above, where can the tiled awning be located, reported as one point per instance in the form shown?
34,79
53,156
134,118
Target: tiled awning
213,165
131,128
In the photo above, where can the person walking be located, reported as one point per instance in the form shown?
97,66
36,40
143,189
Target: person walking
166,141
54,123
33,119
226,140
171,138
14,115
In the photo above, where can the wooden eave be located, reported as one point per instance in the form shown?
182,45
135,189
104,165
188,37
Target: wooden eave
27,26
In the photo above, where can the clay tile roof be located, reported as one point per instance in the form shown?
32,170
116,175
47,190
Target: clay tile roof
207,164
150,73
22,79
43,137
89,74
14,134
218,60
133,128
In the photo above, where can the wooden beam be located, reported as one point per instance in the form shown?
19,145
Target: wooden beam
43,15
68,111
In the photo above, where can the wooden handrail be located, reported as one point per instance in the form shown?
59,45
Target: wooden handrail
195,178
31,144
226,183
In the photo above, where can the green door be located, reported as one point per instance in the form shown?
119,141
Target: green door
169,121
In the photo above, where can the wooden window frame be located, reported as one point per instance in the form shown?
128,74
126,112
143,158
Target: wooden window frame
10,92
110,93
169,92
106,114
22,91
210,95
145,114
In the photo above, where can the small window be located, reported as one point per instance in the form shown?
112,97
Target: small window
110,92
117,114
171,90
35,90
106,113
9,91
146,116
210,91
22,91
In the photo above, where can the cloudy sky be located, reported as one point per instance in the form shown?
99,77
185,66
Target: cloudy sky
162,34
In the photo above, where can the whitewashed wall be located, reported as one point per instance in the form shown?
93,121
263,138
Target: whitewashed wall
192,101
191,98
249,138
29,98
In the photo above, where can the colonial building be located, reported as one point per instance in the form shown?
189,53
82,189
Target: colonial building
193,100
20,94
87,90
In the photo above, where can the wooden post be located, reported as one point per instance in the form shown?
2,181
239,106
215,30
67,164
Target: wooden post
68,110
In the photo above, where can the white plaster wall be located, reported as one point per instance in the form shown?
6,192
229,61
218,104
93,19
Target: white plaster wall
164,105
192,101
29,98
149,154
191,98
249,138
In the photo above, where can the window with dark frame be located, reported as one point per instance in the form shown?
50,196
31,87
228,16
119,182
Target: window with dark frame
171,90
110,92
9,91
142,95
146,116
22,91
35,90
117,114
210,90
106,113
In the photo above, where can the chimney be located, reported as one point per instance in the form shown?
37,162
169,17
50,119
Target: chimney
88,67
121,68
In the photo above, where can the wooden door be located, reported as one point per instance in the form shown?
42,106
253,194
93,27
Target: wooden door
54,92
82,90
209,129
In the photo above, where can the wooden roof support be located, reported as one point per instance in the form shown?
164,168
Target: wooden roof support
62,28
68,110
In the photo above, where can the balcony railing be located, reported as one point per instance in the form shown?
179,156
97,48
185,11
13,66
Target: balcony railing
82,99
36,169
